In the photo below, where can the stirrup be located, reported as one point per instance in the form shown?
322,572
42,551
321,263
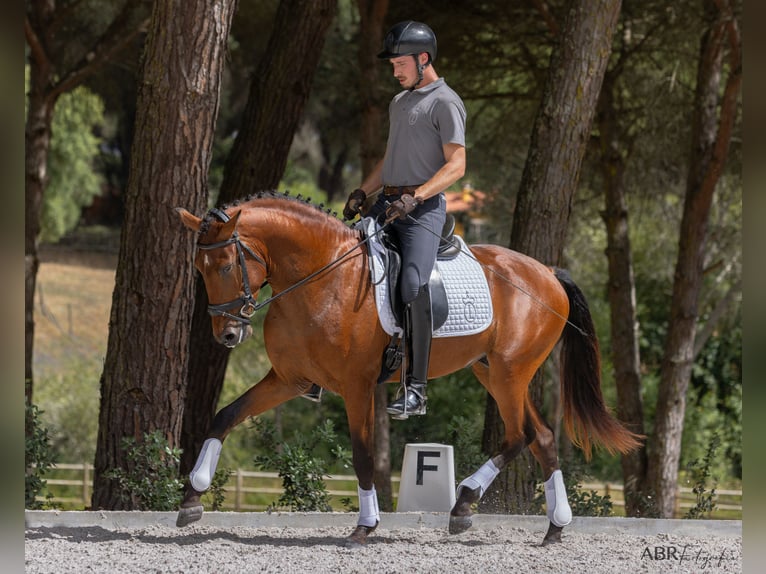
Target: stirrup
400,410
314,394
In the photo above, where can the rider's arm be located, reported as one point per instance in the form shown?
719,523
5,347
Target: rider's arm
448,174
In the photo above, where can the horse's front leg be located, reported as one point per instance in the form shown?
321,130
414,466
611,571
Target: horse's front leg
360,412
470,491
268,393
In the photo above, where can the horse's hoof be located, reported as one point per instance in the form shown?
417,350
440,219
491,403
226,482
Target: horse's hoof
189,515
553,536
458,524
358,538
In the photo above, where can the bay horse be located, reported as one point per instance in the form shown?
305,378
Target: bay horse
322,327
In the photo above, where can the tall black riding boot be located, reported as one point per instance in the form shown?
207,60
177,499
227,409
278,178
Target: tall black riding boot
418,330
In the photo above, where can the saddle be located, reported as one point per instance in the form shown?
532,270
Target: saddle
449,248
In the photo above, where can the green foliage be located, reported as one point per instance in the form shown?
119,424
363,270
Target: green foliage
466,441
714,403
73,151
301,472
583,502
38,458
700,474
588,502
151,481
216,494
455,416
70,398
502,95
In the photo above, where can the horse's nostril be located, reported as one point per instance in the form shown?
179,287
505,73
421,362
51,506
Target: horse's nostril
229,338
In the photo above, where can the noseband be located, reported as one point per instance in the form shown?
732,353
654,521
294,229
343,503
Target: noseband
245,302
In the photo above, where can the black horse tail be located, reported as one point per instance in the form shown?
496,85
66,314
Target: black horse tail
586,418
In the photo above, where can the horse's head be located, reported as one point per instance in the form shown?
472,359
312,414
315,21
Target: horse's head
222,260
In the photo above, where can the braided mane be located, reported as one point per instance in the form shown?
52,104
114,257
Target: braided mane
271,194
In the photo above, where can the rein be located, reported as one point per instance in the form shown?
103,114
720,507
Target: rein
246,301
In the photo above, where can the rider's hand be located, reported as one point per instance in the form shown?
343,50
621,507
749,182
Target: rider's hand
402,207
354,203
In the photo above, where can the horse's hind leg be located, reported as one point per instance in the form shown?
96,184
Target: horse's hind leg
543,448
518,434
268,393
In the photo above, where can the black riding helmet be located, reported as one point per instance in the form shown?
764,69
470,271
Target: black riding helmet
410,38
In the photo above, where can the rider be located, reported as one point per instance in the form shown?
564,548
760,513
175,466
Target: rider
425,154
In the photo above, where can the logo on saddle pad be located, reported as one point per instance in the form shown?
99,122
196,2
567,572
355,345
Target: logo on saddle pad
460,298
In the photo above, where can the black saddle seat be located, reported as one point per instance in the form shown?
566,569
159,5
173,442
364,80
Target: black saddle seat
449,248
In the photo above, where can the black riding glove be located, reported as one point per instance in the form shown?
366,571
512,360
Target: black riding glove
354,203
402,207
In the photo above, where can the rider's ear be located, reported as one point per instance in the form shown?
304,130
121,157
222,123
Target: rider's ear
191,221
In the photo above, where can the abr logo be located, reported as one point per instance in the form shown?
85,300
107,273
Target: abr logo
660,553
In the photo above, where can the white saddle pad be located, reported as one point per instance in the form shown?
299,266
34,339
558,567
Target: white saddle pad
468,296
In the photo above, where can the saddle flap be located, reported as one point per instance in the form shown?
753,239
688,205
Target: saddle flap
439,301
469,304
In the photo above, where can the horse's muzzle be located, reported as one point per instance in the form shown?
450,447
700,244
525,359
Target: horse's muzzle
234,333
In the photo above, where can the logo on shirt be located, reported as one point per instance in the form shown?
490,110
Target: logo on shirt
413,117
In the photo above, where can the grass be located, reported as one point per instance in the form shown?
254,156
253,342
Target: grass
72,305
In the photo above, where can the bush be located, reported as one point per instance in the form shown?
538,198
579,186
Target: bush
38,458
216,494
301,472
152,482
700,473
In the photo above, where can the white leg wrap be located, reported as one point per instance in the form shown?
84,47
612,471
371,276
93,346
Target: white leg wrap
559,512
369,514
482,478
202,474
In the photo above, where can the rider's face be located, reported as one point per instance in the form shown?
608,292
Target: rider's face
405,71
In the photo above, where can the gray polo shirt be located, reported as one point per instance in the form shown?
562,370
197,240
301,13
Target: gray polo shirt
421,122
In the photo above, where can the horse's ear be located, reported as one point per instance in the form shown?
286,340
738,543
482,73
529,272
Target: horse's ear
227,230
191,221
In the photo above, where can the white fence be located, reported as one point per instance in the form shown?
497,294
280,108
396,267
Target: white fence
71,486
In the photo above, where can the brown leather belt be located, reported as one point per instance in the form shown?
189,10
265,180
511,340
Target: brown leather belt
399,189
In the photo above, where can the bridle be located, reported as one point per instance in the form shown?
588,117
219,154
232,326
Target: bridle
245,302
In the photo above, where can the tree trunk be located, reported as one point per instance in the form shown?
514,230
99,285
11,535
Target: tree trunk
37,139
559,138
372,140
277,98
711,134
621,293
372,14
143,384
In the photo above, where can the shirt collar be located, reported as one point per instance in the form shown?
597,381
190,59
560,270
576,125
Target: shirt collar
430,87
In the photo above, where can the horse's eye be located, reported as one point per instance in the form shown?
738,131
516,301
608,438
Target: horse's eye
226,269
